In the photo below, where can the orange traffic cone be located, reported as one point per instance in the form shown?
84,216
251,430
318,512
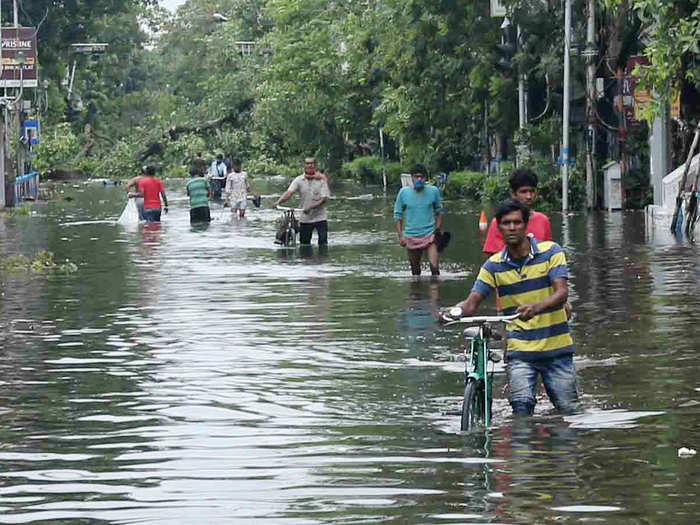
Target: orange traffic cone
483,221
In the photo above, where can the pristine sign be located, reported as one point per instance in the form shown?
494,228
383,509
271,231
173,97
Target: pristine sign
19,44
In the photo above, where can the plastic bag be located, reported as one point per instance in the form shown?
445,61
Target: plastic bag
130,215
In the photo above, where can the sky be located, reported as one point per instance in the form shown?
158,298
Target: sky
172,4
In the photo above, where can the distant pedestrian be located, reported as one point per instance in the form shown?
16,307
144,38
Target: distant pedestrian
199,165
313,194
152,190
217,176
199,194
237,189
418,214
137,196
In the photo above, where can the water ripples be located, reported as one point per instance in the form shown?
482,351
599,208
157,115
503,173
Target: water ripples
211,377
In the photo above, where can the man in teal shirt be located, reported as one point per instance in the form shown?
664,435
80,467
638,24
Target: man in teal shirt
199,193
418,214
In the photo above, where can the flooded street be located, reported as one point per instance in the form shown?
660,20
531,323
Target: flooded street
187,376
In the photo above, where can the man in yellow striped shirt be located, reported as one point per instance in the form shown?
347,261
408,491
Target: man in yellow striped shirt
531,279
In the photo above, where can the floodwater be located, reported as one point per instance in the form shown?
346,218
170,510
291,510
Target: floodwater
188,376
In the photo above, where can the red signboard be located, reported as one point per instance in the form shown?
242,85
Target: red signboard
19,45
633,97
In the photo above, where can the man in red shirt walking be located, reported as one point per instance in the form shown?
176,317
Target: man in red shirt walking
523,188
152,190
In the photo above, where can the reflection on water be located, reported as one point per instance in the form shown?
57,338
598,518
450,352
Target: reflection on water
206,375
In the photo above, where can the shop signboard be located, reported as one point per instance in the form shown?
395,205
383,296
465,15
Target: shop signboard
19,58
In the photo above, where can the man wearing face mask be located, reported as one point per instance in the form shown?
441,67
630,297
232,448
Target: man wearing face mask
418,214
313,194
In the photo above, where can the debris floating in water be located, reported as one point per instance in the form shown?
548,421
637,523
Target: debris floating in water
686,452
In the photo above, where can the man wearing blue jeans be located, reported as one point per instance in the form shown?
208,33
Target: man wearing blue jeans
531,279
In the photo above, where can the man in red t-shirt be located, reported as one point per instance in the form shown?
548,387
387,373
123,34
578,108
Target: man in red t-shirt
523,187
152,190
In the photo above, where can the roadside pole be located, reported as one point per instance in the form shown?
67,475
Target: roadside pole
658,154
522,152
381,149
3,191
590,53
565,127
522,89
18,104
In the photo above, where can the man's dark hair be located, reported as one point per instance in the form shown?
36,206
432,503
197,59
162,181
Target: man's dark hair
510,205
522,177
419,168
236,161
151,170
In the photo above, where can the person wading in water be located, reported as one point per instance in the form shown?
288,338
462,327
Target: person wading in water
531,278
418,215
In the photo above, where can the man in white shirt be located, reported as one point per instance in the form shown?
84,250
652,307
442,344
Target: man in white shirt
217,176
313,193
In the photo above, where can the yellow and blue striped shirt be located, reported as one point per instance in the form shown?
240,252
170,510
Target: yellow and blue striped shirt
527,282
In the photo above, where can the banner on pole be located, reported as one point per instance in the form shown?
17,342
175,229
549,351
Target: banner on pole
19,58
497,8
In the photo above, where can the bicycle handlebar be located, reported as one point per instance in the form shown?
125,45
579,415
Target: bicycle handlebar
285,208
484,319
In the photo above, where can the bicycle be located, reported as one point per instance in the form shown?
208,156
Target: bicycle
478,380
287,232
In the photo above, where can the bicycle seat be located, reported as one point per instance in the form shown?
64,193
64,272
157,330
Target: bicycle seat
471,332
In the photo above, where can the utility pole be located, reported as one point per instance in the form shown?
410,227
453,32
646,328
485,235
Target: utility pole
659,146
565,127
522,105
3,191
658,153
522,89
18,102
590,53
381,149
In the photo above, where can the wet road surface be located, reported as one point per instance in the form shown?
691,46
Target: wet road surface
187,376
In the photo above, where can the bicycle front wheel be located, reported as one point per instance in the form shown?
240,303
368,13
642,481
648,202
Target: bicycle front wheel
473,406
289,237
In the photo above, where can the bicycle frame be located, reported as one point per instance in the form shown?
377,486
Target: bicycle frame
476,364
478,380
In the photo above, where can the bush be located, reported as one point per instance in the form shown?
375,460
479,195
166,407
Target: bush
264,165
183,150
468,184
368,170
57,149
120,162
496,188
478,186
549,187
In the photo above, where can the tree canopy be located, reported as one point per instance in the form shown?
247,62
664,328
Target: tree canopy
275,80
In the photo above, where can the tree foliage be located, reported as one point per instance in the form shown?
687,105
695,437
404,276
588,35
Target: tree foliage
325,75
671,36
